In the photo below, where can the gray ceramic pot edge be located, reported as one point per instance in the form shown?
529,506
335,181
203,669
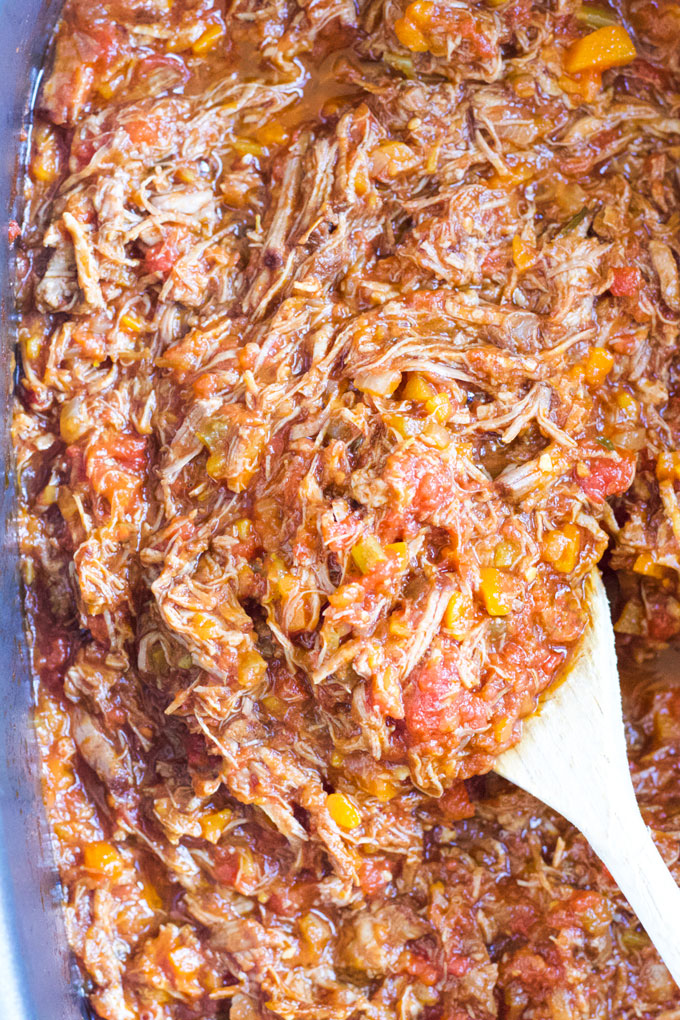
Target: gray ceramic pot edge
35,979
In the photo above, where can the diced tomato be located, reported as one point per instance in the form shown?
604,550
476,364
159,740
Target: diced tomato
129,450
436,702
517,14
592,909
293,900
537,971
141,132
585,908
661,625
458,964
115,464
455,803
470,28
13,231
154,130
495,261
227,865
626,282
102,45
608,477
531,658
206,385
420,966
427,705
161,257
187,355
374,874
421,481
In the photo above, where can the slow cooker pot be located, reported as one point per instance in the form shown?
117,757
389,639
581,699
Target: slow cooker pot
35,979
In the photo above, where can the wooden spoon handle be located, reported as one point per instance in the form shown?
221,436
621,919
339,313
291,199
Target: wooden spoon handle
573,757
635,864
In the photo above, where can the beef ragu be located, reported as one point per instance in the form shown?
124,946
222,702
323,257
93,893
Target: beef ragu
348,347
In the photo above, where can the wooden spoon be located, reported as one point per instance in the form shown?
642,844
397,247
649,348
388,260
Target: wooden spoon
572,756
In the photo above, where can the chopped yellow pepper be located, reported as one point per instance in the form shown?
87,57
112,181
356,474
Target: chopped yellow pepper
457,615
410,36
205,626
399,551
523,254
368,553
418,388
399,626
439,407
44,167
389,159
315,929
251,668
213,824
645,565
207,40
275,706
496,600
342,811
405,424
561,548
132,323
382,788
420,12
607,47
668,466
598,365
628,405
409,29
103,858
243,528
505,553
272,133
512,176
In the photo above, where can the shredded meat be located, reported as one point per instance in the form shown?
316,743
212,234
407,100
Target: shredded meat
349,346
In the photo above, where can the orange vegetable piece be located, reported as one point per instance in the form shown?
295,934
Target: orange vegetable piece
389,159
561,548
607,47
420,12
645,565
599,364
207,40
668,466
103,858
494,596
626,281
523,254
342,811
410,36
